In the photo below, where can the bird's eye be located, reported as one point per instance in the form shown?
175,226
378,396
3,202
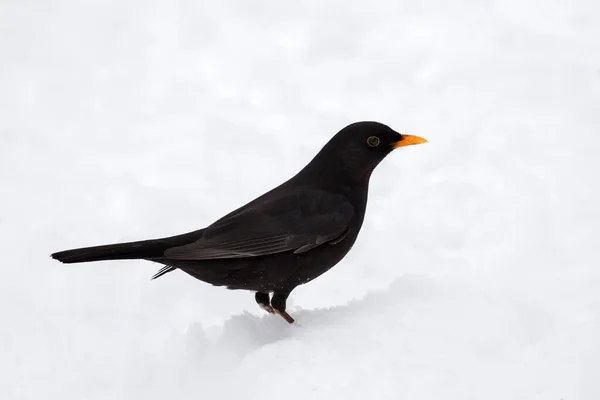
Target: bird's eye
373,141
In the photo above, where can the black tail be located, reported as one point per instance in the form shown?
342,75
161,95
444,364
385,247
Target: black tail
146,249
120,251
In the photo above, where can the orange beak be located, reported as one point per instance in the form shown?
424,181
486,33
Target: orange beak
408,140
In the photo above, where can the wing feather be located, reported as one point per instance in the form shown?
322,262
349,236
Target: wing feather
296,223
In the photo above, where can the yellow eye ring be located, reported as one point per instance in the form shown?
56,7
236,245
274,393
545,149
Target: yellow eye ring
373,141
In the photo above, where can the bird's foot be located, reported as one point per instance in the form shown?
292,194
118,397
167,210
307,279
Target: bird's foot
278,303
288,318
275,305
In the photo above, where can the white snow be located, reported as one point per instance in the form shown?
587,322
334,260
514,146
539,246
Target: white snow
476,275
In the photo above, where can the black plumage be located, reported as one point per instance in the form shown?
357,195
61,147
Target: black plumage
284,238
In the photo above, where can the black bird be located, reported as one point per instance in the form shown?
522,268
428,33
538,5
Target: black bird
284,238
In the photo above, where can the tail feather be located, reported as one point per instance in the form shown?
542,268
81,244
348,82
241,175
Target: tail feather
163,271
120,251
146,249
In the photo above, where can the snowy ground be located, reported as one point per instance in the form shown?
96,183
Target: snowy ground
476,276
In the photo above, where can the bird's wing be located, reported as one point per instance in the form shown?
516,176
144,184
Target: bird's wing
295,222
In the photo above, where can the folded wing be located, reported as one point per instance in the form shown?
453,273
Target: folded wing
297,222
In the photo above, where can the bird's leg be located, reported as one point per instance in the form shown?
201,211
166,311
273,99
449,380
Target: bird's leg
278,304
264,302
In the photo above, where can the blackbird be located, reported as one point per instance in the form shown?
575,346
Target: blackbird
284,238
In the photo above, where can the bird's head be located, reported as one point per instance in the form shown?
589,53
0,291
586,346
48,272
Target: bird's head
354,152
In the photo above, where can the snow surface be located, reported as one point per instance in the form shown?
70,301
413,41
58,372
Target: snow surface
476,275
